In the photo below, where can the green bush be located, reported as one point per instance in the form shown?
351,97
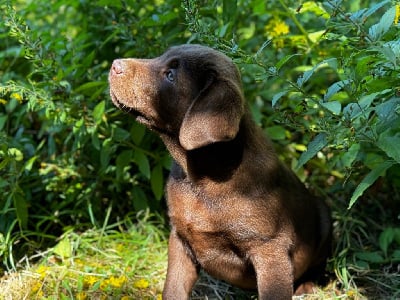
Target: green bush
322,79
343,94
65,153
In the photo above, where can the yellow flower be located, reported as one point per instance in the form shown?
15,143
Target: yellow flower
90,280
3,101
104,284
159,297
350,293
397,16
36,290
117,281
36,286
42,271
17,97
141,284
277,27
81,296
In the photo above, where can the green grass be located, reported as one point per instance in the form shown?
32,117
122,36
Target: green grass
122,261
128,260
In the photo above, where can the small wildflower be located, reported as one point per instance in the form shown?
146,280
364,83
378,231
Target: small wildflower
159,297
277,27
3,101
397,16
36,290
42,271
36,286
350,293
78,262
90,280
17,97
117,281
104,284
81,296
141,284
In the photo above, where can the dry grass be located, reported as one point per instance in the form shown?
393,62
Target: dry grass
128,261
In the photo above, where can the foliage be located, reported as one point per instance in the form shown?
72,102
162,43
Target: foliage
322,79
344,88
66,153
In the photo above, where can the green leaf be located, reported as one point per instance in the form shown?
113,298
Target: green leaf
386,238
21,207
88,87
278,96
397,235
372,257
388,115
331,62
139,199
110,3
229,10
304,78
334,88
376,31
105,153
4,162
350,155
316,8
369,180
354,110
3,119
375,7
276,132
361,15
16,154
122,161
143,163
284,60
95,140
263,46
313,147
389,142
334,106
63,248
98,111
137,133
157,182
120,134
29,164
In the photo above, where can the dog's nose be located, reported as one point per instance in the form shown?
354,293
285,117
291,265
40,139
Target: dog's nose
117,67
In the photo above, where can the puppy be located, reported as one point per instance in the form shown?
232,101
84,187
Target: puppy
235,210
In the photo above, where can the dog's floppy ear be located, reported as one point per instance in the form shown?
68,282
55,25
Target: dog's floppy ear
214,116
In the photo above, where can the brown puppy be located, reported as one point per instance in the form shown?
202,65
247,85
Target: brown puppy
235,210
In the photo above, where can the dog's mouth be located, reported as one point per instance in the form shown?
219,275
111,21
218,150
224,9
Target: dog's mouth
136,114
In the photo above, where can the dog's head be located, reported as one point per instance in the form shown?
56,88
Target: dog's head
191,92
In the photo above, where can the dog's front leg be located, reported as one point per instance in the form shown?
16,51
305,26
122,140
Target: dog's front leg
274,272
181,273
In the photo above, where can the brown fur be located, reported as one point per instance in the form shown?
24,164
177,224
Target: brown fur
235,210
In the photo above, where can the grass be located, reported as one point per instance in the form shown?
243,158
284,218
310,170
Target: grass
128,261
122,261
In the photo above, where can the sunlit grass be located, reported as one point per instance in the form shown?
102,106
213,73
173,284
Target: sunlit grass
128,260
122,261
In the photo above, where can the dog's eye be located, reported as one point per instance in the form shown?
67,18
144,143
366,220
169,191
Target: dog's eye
170,75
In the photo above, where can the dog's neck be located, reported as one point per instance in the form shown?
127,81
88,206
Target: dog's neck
217,161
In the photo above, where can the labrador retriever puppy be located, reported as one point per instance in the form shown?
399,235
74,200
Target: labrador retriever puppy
235,210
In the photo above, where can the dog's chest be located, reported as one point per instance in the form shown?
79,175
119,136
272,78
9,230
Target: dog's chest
207,223
193,216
